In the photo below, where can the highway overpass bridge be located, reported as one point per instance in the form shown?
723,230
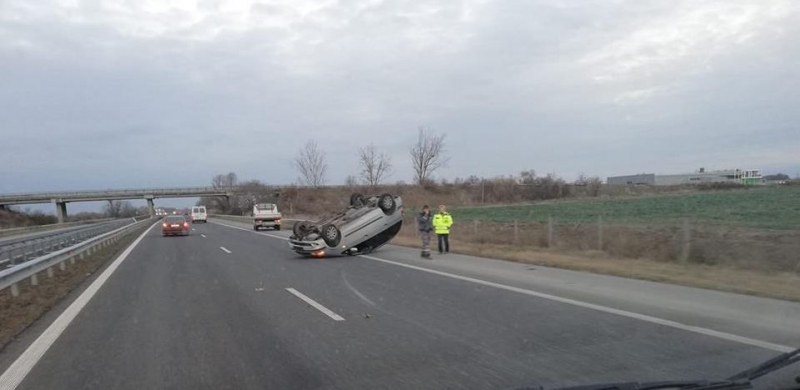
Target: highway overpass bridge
60,199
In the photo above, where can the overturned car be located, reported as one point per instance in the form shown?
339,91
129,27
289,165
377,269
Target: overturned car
368,223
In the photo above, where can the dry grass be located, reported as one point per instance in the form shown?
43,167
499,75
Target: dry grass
781,285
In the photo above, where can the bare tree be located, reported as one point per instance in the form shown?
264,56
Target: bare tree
351,182
427,155
374,166
119,209
592,184
224,181
310,163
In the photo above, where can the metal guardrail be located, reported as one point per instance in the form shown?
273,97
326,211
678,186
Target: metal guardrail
18,251
239,218
53,226
249,219
9,277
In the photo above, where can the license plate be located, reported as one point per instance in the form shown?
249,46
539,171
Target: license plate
176,225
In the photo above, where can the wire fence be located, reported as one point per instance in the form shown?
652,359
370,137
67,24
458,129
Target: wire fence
687,241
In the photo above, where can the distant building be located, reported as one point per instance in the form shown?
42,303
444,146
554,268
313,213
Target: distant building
642,178
739,176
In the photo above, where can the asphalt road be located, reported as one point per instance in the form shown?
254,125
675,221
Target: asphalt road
222,309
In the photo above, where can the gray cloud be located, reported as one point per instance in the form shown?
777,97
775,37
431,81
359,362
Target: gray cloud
141,93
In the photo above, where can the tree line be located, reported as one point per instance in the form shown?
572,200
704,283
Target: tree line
427,156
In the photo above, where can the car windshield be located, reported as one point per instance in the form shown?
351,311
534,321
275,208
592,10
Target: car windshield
359,194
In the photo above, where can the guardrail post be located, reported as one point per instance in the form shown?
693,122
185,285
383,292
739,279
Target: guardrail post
34,280
72,259
49,272
14,290
62,266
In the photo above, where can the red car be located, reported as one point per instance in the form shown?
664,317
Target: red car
176,225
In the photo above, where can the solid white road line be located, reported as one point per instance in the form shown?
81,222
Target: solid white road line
25,362
605,309
224,249
574,302
315,305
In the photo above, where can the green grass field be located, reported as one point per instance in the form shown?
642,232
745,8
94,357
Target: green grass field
763,208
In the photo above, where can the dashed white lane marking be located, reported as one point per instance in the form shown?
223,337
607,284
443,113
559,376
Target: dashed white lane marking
224,249
25,362
203,235
315,305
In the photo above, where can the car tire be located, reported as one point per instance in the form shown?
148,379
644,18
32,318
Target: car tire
255,228
301,228
357,200
331,235
277,227
387,204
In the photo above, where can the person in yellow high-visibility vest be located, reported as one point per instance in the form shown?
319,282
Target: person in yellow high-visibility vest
442,222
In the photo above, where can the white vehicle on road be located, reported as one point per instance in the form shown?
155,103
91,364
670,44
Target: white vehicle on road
199,214
369,223
266,215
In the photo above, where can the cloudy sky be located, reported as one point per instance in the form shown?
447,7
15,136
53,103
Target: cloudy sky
109,94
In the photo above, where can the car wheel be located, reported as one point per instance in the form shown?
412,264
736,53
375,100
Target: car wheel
387,204
277,227
357,200
301,228
331,235
255,228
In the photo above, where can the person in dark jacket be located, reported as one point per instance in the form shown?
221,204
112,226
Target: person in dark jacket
425,226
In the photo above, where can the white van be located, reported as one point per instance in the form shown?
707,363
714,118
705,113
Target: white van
199,214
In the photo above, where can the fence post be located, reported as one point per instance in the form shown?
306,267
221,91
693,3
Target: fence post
550,231
516,232
687,240
475,228
599,232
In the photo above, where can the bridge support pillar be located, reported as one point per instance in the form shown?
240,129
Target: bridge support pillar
151,207
61,211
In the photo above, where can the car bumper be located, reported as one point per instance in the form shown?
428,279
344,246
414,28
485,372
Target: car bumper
174,231
264,223
308,247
